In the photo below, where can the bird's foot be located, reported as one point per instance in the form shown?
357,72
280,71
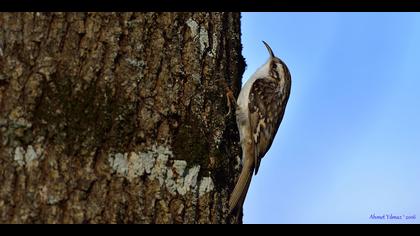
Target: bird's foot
230,99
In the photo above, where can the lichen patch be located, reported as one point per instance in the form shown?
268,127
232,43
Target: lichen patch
156,165
27,158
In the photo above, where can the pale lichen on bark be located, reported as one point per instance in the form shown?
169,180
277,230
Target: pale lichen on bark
28,157
155,164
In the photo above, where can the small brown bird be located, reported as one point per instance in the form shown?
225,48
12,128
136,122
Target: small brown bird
259,111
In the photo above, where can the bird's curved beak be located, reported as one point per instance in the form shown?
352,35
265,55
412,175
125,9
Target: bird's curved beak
269,49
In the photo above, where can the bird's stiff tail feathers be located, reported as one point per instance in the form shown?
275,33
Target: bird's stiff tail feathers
241,188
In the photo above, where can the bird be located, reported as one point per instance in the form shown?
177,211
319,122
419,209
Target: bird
260,108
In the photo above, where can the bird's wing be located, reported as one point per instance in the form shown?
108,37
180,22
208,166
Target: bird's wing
266,107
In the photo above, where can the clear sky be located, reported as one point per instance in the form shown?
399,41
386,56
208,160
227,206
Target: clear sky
349,143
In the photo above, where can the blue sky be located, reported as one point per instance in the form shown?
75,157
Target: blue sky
349,144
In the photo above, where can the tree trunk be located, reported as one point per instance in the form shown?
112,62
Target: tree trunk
118,117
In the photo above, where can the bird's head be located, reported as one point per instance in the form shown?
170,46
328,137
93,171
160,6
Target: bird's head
277,68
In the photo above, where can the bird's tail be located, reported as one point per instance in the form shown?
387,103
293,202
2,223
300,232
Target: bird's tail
237,197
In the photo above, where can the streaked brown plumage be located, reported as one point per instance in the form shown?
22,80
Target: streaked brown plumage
260,108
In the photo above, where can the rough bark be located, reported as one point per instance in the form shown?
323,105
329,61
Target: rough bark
117,117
